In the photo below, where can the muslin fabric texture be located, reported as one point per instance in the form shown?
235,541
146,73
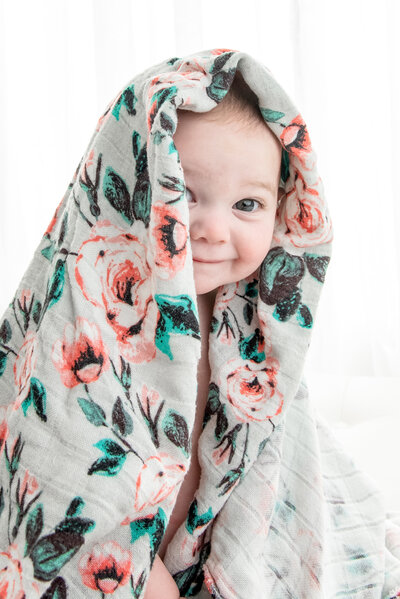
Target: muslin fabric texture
98,361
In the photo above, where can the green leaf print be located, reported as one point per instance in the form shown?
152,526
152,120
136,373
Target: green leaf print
75,507
304,317
75,525
249,347
3,362
37,397
154,526
56,284
37,308
177,316
49,251
1,500
317,266
142,192
93,412
113,460
121,420
271,116
34,526
52,552
175,428
196,520
5,331
127,99
116,192
57,590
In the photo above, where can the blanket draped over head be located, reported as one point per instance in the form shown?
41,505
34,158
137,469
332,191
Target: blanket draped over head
98,361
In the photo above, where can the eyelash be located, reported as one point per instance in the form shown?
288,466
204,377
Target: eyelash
260,204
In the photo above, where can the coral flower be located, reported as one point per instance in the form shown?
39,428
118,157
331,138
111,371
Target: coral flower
158,479
11,585
170,236
251,389
106,568
80,357
114,275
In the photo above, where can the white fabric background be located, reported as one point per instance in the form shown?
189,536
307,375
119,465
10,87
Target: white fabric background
62,61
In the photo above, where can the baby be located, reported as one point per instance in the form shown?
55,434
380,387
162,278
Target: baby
231,162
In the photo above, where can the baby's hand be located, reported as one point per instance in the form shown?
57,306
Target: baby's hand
161,585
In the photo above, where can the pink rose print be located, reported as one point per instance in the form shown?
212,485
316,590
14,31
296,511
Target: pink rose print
80,356
24,366
296,140
158,478
305,218
106,568
170,240
11,582
113,274
251,389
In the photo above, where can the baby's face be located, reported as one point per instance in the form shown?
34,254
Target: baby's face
232,176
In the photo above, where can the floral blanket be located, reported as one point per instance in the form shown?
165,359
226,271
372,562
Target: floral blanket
98,360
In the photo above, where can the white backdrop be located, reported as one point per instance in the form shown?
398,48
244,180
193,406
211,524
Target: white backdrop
61,61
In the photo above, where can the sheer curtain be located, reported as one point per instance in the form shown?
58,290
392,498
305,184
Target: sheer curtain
61,62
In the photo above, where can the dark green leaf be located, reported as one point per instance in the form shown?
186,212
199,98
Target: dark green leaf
251,289
317,266
37,394
110,448
250,347
213,403
175,428
3,362
304,317
142,198
280,273
288,306
229,480
121,419
93,412
57,589
56,284
107,466
5,331
75,507
34,528
116,192
37,308
222,423
75,525
167,123
52,552
135,144
248,312
63,230
1,500
195,520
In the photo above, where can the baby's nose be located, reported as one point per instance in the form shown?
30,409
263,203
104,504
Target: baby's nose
211,226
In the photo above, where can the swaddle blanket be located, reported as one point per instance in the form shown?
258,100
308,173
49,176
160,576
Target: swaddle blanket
99,352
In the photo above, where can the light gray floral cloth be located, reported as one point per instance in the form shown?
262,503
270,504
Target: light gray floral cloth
98,361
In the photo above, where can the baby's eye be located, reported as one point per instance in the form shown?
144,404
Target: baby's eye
247,205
